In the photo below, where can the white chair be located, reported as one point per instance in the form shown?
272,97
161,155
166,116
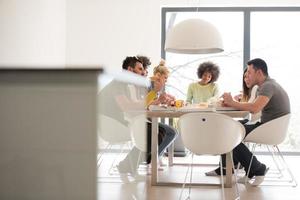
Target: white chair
271,133
112,130
114,133
138,131
210,133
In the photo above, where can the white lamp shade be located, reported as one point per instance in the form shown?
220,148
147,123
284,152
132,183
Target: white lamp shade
194,36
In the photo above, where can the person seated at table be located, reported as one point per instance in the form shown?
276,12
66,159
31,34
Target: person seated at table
206,88
248,95
166,133
157,94
273,102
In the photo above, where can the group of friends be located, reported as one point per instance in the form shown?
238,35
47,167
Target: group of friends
262,96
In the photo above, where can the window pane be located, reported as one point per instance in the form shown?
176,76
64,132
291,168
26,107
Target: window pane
184,67
275,38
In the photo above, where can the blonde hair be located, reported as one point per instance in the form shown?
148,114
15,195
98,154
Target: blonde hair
161,68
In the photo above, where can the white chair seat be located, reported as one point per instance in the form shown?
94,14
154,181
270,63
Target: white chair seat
210,133
271,133
114,133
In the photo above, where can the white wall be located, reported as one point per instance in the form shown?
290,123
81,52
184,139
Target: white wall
32,32
90,32
106,32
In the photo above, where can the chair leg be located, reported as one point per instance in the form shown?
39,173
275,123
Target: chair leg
222,179
184,183
110,171
191,177
235,177
248,171
280,162
287,167
276,163
138,161
100,155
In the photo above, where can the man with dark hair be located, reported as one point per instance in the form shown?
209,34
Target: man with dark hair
273,102
166,133
133,64
116,87
258,63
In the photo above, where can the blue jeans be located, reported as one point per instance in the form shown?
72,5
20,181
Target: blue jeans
166,136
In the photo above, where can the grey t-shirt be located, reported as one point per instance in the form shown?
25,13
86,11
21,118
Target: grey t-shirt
279,103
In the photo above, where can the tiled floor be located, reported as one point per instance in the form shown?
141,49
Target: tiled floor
111,186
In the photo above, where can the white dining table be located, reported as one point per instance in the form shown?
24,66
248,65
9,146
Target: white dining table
171,113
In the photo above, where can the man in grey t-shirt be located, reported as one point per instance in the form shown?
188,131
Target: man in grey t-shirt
272,100
278,104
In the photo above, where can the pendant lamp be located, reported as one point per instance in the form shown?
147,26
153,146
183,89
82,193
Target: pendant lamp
194,36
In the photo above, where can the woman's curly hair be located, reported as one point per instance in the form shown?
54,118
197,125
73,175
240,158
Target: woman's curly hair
211,68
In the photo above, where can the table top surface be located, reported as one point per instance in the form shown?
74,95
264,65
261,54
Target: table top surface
173,112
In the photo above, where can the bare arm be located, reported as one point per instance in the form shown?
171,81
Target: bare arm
189,96
259,103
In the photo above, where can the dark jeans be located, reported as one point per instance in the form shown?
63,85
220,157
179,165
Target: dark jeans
166,136
243,155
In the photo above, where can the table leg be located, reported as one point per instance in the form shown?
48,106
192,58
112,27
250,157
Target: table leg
171,154
228,183
171,147
154,156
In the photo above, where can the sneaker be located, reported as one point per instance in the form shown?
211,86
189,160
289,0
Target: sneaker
212,173
243,180
124,178
216,172
121,169
161,163
124,169
259,179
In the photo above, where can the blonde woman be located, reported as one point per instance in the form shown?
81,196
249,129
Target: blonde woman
157,94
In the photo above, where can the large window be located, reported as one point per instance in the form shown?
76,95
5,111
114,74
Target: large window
184,67
268,33
275,37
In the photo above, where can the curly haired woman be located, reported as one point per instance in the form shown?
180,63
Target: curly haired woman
206,88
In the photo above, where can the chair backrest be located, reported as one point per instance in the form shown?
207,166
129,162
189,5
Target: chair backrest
272,132
132,92
210,133
138,129
112,131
